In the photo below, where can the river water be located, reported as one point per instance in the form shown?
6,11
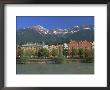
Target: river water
74,68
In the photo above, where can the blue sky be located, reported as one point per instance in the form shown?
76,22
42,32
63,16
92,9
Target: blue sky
51,22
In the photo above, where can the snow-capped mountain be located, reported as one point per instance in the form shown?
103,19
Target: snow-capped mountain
37,33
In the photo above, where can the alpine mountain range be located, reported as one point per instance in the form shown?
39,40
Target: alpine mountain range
38,33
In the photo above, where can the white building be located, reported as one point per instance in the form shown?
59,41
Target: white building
45,46
65,45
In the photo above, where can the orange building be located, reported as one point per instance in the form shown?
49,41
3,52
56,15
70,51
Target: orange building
80,44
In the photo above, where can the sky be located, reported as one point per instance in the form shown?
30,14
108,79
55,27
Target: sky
52,22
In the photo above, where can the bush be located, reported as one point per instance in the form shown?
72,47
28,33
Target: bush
60,59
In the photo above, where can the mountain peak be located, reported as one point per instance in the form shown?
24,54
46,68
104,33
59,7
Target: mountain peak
38,28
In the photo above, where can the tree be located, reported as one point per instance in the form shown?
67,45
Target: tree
92,53
81,52
40,53
43,53
24,57
36,53
18,52
60,59
87,53
74,52
54,52
33,51
65,52
88,56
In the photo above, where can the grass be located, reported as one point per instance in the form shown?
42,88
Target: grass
74,68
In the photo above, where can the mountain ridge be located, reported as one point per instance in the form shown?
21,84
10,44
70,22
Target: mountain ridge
38,33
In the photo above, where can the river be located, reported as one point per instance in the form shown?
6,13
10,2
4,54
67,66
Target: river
74,68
